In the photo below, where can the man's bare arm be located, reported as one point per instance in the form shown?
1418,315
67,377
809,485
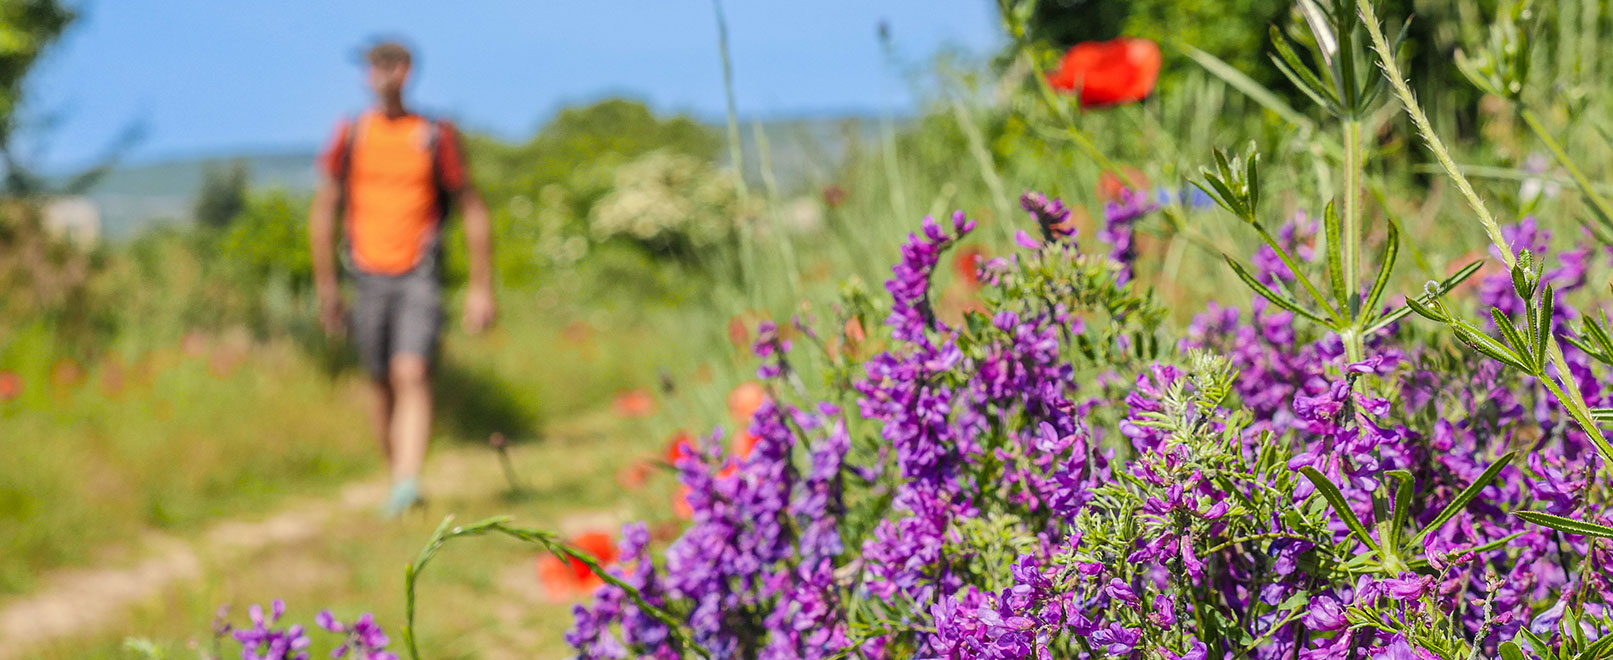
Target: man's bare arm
480,308
322,242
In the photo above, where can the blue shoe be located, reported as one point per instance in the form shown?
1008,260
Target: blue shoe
405,495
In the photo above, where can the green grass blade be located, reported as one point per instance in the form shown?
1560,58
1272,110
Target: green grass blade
1444,287
1402,503
1341,507
1250,88
1276,298
1335,254
1386,268
1567,525
1462,498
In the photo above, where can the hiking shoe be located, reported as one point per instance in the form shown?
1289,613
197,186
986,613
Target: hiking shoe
405,495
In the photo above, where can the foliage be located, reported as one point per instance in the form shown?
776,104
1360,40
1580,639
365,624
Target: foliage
669,202
268,239
222,195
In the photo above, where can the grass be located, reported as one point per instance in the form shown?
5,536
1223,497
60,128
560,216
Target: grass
479,599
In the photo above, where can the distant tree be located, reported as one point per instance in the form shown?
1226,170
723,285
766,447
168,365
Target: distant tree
603,134
27,27
222,195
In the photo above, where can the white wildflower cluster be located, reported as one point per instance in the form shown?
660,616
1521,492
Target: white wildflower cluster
668,197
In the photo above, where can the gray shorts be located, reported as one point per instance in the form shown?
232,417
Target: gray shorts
396,314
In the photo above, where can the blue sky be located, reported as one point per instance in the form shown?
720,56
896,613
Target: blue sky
211,76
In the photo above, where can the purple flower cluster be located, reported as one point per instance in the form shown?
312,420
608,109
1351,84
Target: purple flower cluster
263,641
1118,219
365,639
1035,483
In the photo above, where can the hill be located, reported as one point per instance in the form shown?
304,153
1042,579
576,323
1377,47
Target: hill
802,152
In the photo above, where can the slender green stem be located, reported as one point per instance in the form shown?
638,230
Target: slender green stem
1351,248
1604,210
550,542
1397,81
736,153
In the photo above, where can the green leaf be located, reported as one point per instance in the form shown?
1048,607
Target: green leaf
1424,311
1335,254
1298,600
1568,525
1446,285
1522,347
1483,343
1540,646
1223,195
1601,648
1251,177
1298,72
1547,304
1402,504
1341,507
1276,298
1462,498
1511,651
1386,267
1250,88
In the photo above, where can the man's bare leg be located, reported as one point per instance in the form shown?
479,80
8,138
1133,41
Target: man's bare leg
381,417
411,415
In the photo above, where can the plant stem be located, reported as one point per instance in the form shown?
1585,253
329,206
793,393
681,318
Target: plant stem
1351,248
1397,80
736,153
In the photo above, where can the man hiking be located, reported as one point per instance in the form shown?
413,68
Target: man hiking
392,176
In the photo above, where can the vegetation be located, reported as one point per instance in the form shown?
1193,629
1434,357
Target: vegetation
1057,430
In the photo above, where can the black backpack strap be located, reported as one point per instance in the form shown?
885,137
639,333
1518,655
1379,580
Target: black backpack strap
434,139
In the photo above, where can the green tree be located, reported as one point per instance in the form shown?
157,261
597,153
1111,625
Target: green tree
222,195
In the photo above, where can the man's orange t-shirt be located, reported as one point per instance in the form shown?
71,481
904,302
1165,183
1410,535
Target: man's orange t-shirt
392,208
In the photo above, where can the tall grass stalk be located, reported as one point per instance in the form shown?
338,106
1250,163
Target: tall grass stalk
1572,400
780,233
887,134
983,159
736,153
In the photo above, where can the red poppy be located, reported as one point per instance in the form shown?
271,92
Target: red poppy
10,385
966,263
744,444
834,195
1115,72
1111,186
739,332
577,332
565,579
633,475
745,399
66,373
680,503
854,331
679,445
633,404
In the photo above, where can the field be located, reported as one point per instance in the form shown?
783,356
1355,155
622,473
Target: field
1300,356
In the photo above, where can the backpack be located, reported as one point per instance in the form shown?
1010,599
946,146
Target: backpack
344,164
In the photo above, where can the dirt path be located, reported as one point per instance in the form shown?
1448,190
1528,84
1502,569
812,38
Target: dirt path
87,601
